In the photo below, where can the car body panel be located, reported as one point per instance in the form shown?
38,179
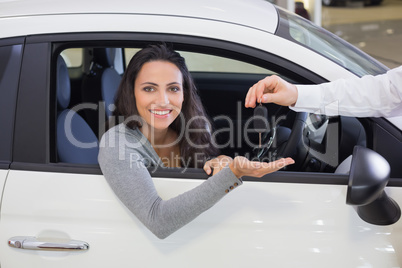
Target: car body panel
286,219
259,15
275,224
3,176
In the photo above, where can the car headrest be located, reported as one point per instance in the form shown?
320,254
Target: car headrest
110,83
63,84
104,56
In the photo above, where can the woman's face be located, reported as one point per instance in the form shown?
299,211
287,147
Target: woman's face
158,92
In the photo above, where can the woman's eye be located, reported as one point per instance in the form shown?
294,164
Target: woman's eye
148,89
175,89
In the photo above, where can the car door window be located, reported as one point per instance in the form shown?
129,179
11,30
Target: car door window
222,83
217,78
201,62
73,57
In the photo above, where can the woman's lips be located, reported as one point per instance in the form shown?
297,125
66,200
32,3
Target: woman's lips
161,113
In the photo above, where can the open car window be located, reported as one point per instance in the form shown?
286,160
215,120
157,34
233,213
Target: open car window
222,82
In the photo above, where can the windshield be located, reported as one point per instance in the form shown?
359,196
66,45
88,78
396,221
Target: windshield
306,33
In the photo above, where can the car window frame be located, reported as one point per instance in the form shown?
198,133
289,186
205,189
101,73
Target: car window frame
10,75
47,45
31,125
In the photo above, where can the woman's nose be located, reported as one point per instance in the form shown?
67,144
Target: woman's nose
162,98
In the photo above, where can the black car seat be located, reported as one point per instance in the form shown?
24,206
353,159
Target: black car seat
99,87
76,142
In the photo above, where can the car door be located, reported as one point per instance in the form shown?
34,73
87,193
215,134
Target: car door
57,214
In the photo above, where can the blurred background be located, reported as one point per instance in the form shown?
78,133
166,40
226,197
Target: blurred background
374,26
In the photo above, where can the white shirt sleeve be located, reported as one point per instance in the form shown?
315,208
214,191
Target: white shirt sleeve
373,96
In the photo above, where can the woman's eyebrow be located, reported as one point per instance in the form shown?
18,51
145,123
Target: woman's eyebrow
149,83
154,84
174,83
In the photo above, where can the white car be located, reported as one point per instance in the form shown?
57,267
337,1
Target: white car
57,210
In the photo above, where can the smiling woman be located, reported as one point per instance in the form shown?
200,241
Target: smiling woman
159,104
158,100
158,80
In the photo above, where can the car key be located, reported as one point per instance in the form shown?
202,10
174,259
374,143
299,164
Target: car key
260,120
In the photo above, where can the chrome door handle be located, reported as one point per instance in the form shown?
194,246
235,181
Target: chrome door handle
30,242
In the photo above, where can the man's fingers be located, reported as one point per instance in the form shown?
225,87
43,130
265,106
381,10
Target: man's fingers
250,98
256,93
268,98
260,89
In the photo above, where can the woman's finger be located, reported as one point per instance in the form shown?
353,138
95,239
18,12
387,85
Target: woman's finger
275,165
207,167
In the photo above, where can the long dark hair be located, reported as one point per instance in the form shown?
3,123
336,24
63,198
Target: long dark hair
192,109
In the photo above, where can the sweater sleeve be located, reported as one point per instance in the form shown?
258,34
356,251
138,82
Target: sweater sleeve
130,180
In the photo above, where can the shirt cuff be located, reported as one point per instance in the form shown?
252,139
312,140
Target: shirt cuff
308,99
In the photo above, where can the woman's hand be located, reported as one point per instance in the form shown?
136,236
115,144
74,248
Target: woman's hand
272,89
217,164
241,166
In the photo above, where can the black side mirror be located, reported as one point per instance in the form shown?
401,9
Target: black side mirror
369,174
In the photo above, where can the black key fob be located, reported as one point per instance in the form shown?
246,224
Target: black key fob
261,119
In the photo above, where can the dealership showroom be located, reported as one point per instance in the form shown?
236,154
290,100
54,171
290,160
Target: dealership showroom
375,28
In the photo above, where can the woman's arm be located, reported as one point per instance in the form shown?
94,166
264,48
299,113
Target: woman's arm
132,183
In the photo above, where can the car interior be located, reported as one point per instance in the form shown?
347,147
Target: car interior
85,96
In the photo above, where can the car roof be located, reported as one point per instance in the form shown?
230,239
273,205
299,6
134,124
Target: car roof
258,14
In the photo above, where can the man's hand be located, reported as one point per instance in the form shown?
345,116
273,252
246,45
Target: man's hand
272,89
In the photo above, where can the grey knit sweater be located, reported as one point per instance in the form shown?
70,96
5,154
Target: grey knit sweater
124,156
